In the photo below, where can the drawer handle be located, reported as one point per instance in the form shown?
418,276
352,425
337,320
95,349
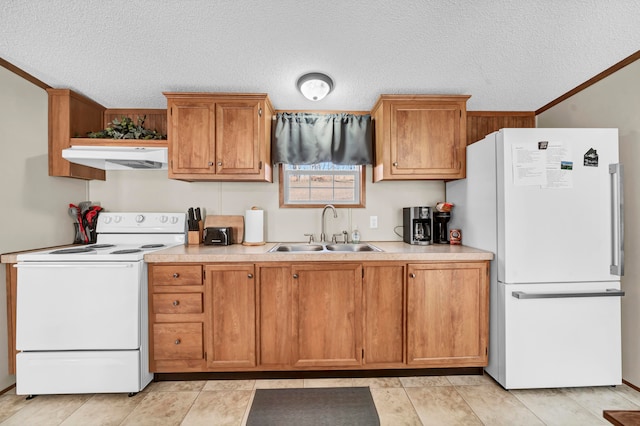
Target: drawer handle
176,275
176,302
177,342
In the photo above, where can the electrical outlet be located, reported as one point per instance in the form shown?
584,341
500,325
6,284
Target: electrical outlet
373,222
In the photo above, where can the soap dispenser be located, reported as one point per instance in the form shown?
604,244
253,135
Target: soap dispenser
355,236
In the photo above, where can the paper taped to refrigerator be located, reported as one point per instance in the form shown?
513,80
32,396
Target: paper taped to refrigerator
543,163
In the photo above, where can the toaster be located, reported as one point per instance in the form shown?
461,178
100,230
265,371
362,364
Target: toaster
217,236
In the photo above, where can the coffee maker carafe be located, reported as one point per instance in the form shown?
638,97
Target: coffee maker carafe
440,227
417,225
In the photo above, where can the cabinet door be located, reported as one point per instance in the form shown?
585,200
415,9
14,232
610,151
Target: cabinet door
230,312
274,322
327,300
238,137
191,136
447,314
383,307
425,139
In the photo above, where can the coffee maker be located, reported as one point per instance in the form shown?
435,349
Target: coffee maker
440,227
417,225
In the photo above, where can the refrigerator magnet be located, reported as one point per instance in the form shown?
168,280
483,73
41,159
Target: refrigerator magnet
591,158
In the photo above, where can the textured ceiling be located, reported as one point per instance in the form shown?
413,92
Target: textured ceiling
509,55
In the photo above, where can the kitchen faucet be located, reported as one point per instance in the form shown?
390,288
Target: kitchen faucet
335,215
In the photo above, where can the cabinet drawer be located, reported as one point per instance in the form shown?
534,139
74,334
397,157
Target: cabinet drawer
177,341
176,275
177,303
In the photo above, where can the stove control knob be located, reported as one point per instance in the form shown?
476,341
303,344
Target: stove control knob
163,219
117,219
107,219
174,220
139,218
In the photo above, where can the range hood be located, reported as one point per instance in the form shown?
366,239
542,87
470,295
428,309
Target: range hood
118,157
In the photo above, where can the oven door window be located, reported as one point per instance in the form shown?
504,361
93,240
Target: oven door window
78,306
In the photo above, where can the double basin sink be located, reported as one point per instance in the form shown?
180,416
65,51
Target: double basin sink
326,248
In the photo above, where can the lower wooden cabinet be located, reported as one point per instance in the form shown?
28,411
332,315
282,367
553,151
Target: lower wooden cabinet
230,316
327,315
274,316
383,316
447,314
177,341
318,315
176,318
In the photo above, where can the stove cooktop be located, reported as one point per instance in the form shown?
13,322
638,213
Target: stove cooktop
122,236
96,252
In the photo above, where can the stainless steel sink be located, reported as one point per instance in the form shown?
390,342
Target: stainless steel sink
351,247
319,248
297,248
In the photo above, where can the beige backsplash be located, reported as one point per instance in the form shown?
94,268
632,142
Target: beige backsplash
146,190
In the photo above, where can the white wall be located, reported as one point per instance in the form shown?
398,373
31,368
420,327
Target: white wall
615,102
151,190
33,212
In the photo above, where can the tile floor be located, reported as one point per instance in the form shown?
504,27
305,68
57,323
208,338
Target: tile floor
434,400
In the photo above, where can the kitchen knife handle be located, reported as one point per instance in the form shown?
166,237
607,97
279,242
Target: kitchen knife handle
617,220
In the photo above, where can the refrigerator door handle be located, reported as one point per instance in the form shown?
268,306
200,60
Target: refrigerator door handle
610,292
617,220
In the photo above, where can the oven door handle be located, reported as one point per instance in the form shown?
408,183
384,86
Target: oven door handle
76,265
610,292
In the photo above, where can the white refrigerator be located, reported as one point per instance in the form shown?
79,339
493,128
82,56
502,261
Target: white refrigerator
548,203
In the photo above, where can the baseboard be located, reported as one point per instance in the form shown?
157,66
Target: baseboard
5,390
631,385
245,375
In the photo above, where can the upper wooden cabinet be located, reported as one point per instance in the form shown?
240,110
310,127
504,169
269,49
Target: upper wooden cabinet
70,115
419,137
219,136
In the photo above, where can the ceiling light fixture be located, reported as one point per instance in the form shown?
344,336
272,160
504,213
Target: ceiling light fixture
315,85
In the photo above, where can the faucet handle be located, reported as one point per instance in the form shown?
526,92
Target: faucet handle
310,237
345,235
334,238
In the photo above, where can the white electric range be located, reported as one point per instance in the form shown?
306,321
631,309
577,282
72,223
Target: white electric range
82,311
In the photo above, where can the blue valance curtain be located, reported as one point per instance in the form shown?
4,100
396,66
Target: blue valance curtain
311,138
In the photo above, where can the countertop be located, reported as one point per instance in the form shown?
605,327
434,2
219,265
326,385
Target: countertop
392,250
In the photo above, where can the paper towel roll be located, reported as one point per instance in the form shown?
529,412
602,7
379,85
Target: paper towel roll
254,227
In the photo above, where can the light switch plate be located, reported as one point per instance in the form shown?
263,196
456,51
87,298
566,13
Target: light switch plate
373,222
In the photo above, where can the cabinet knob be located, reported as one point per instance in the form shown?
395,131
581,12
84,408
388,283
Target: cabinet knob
220,163
176,302
395,164
295,275
210,163
412,275
176,275
177,342
249,275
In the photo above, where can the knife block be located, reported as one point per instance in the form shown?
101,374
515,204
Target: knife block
194,238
